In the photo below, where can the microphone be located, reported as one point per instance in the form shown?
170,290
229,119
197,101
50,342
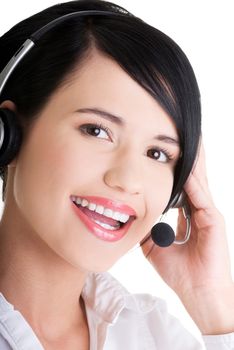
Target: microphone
162,234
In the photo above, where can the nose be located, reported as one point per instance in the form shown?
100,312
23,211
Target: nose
125,173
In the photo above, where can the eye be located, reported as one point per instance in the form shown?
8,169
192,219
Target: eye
96,130
161,155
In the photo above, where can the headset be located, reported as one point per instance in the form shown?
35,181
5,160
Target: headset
162,234
11,132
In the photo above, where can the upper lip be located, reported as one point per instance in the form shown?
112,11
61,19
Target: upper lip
110,204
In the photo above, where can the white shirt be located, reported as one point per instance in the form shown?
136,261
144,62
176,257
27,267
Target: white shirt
117,320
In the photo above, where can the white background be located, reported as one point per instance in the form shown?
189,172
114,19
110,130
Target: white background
204,29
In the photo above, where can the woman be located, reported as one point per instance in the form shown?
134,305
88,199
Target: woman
107,134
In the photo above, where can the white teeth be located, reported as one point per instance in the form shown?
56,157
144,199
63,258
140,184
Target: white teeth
101,210
108,212
115,216
84,203
92,206
124,218
78,201
120,217
108,227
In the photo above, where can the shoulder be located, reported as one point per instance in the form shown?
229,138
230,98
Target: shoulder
4,345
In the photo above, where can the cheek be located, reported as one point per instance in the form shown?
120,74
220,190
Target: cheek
161,183
47,173
158,195
42,179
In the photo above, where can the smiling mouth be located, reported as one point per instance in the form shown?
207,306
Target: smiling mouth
103,221
104,228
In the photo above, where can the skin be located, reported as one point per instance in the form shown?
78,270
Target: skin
56,160
200,271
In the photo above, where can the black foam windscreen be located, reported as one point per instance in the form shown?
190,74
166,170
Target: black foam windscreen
162,234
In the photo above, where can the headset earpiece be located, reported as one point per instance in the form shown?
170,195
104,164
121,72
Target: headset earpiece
10,130
10,136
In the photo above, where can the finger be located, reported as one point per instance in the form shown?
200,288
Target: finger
198,194
199,170
200,185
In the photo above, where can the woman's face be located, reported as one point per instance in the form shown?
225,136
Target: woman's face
66,155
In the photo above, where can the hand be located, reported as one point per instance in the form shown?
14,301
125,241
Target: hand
200,269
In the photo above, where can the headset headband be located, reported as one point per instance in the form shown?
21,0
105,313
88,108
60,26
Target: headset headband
14,140
32,40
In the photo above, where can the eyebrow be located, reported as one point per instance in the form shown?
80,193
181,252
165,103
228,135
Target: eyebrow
120,121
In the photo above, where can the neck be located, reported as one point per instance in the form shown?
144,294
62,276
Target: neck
39,283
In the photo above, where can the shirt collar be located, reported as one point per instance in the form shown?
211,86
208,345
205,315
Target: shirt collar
104,295
107,297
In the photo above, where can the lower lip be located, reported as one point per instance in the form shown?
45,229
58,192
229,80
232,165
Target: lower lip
101,232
